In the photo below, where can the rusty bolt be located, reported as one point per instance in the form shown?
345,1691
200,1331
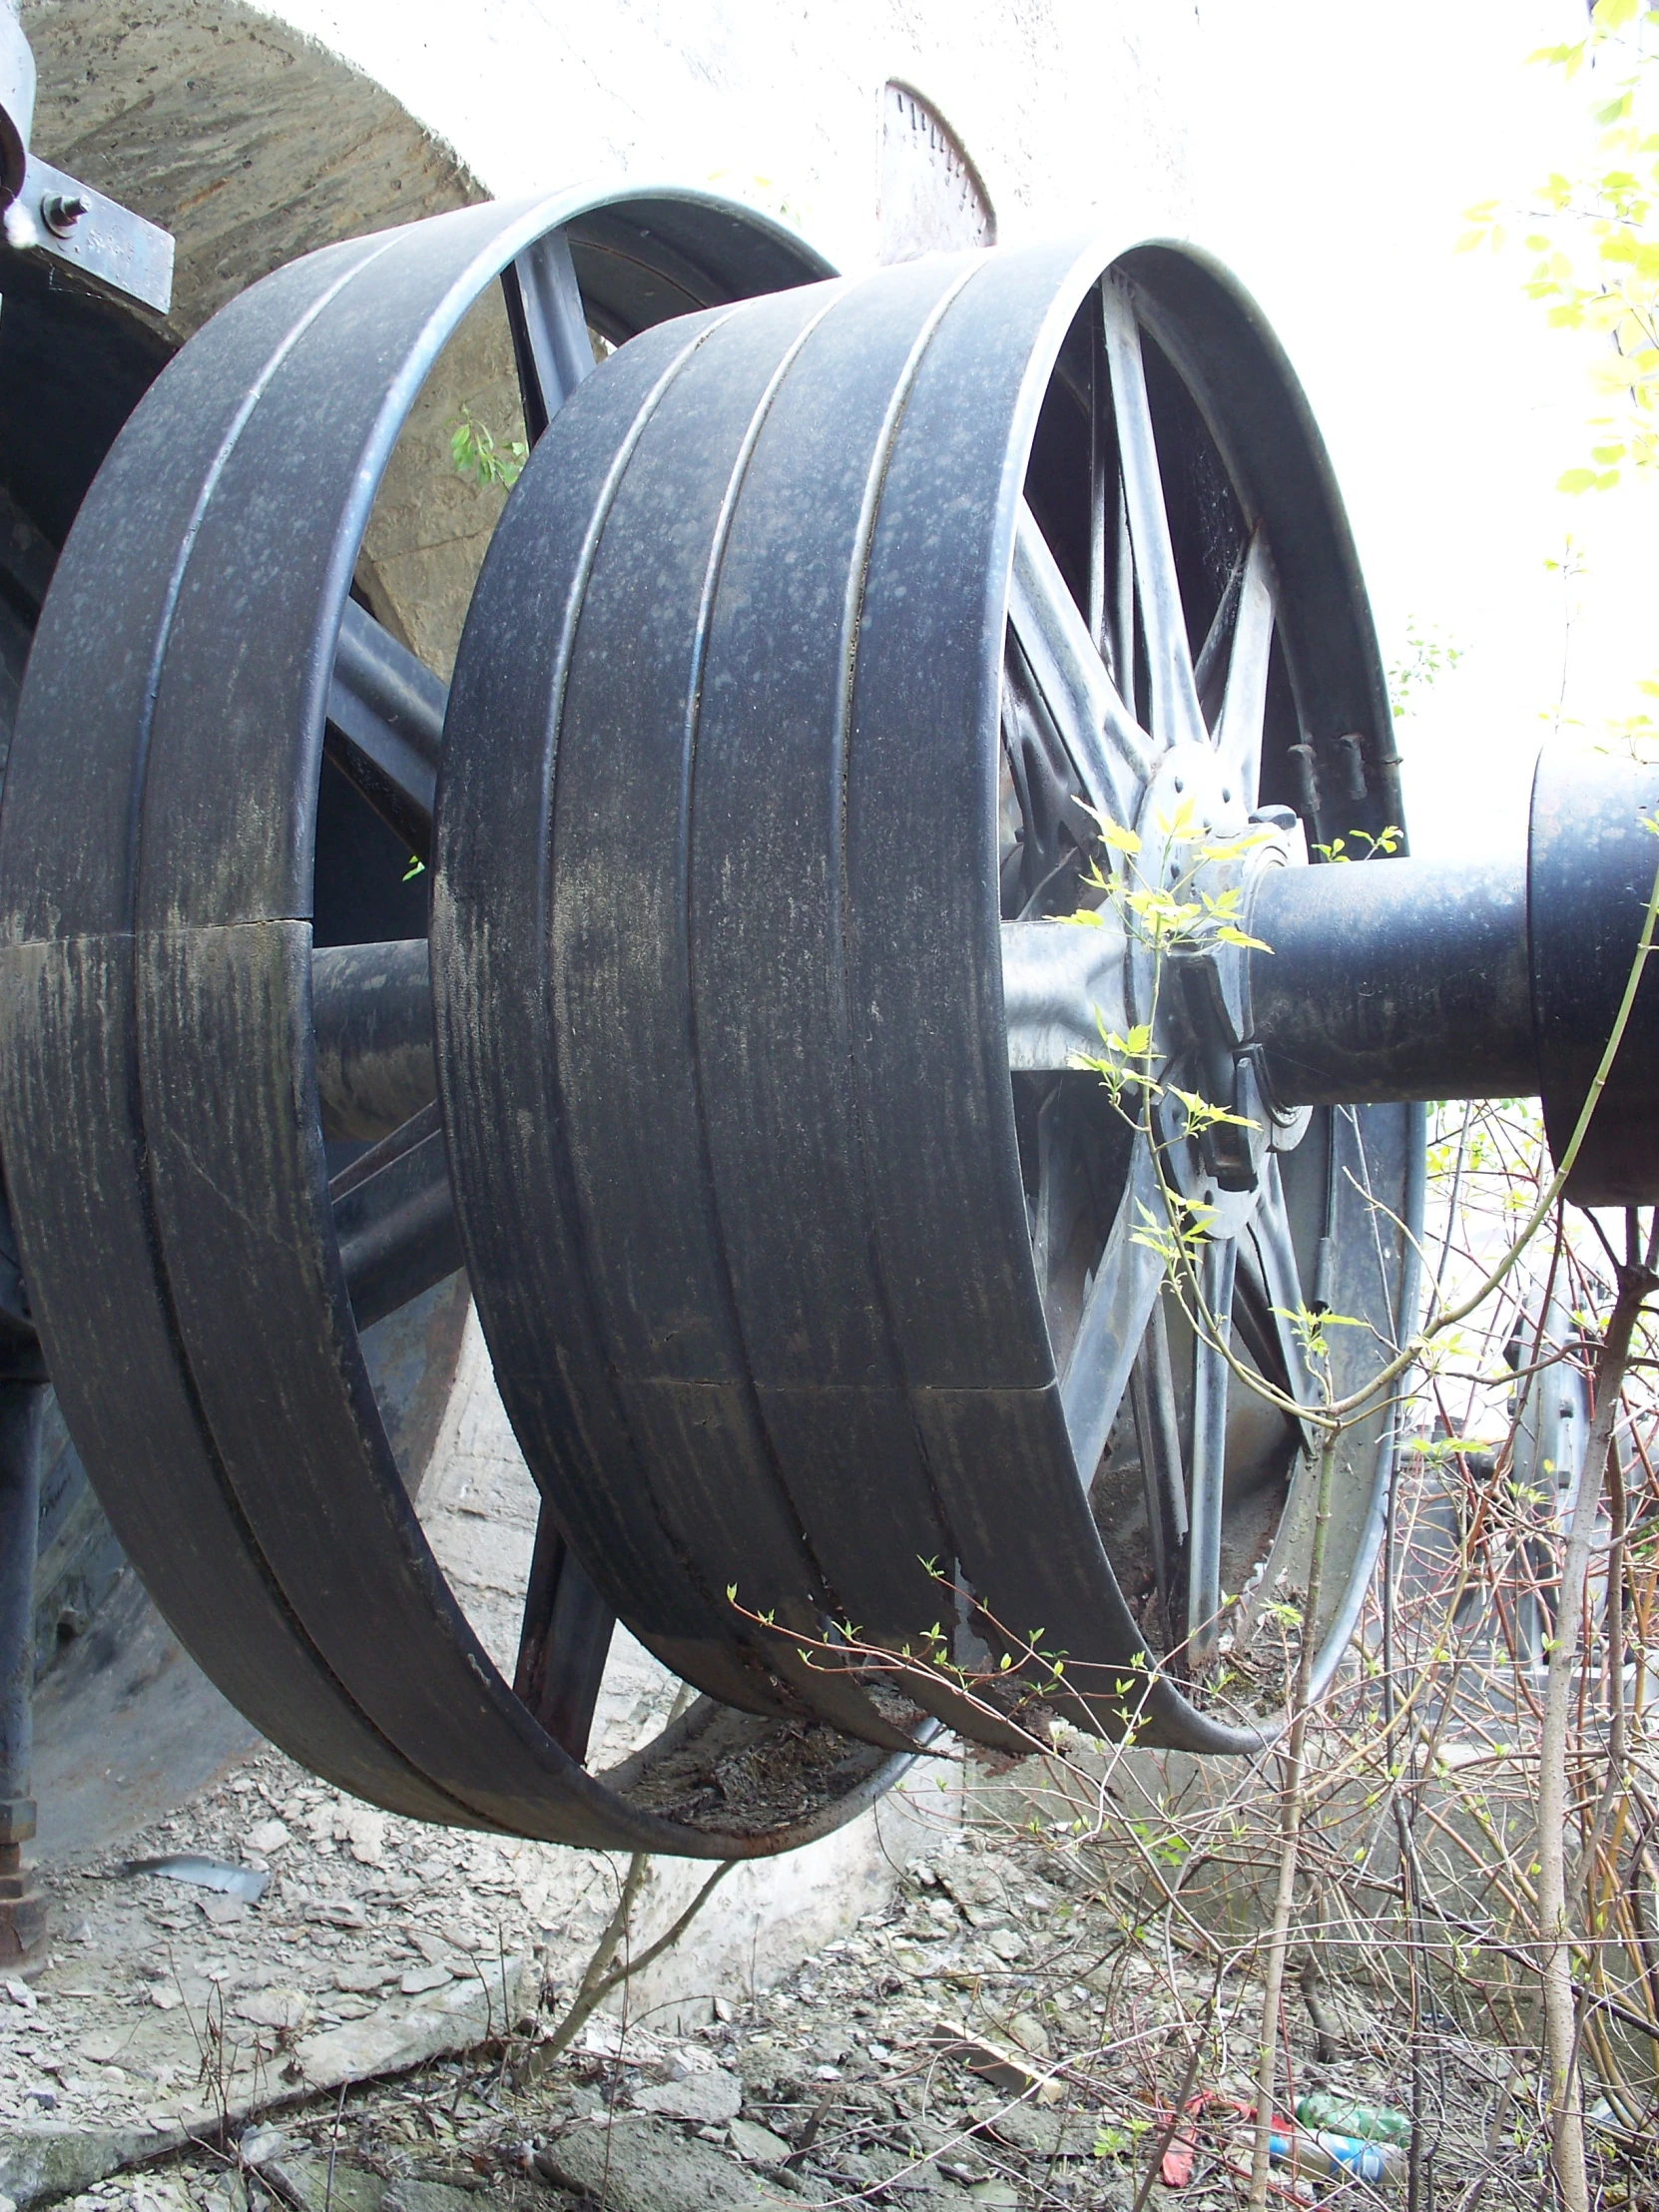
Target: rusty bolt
60,215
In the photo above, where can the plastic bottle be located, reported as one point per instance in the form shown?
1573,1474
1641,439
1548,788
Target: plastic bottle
1378,2123
1318,2150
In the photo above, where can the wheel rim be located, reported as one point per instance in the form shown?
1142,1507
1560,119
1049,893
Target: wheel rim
98,358
1198,447
160,1120
724,835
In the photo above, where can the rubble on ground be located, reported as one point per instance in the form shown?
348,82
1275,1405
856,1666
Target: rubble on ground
1001,2035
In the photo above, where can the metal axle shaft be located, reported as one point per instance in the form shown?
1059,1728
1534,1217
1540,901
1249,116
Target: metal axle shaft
1417,979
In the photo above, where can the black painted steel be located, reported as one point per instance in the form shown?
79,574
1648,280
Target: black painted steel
1223,348
1590,870
394,1220
720,831
808,1261
1404,979
22,1408
71,370
156,950
565,1642
72,956
1395,978
371,1006
665,1564
385,725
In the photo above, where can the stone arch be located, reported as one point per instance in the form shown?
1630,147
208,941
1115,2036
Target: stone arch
246,141
251,144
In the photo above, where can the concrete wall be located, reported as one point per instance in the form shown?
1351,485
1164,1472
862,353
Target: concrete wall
1072,110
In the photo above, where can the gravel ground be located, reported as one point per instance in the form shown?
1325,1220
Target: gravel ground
997,2036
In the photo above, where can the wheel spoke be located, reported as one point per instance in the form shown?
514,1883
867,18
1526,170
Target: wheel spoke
1158,1431
1116,1310
1210,669
563,1643
550,328
1109,751
1239,731
1122,614
1055,1214
1209,1470
1101,479
1044,787
1175,718
371,1006
1270,1233
1060,983
394,1219
1111,558
385,726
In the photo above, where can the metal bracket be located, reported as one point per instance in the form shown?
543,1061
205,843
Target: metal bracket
56,218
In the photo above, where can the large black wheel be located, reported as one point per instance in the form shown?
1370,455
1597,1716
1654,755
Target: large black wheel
74,362
201,1285
810,1265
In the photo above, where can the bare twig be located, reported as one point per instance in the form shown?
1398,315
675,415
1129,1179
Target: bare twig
1635,1284
1290,1811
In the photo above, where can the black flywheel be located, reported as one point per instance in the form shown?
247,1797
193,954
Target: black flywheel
824,1286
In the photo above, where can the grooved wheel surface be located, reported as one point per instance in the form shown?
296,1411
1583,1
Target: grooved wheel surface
200,1283
752,690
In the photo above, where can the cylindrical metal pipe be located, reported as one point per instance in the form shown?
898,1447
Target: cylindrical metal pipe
1590,872
22,1408
17,102
372,1006
22,1905
1393,980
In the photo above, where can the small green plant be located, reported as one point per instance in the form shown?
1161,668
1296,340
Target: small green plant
1307,1326
1594,240
1165,916
482,458
1425,657
1386,842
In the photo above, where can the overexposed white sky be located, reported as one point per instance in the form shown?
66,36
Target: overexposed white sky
1324,149
1334,150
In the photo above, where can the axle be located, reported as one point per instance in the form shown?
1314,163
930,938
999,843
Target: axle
1393,980
1418,979
372,1006
1388,979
